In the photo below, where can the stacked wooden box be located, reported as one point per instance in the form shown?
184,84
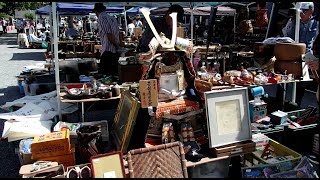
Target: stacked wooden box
55,147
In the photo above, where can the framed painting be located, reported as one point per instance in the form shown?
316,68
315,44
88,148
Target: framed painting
228,117
102,168
125,120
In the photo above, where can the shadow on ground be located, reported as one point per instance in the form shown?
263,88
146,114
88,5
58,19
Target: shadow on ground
10,164
9,94
8,41
31,56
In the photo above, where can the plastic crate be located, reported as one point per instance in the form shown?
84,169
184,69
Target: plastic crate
278,150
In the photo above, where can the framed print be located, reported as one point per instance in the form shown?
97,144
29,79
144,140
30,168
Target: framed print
125,119
227,116
108,165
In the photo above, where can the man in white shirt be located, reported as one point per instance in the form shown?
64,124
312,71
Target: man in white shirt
108,28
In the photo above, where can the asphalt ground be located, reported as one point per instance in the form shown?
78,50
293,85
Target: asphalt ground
12,62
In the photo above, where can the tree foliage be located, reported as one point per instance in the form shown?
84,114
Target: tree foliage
10,6
29,15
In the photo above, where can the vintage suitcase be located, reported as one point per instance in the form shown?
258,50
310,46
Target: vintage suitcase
235,149
161,161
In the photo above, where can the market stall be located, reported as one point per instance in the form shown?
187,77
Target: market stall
185,113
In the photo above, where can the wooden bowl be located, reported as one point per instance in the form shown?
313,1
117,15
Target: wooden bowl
289,51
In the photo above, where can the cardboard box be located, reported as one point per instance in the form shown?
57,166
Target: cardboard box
257,111
67,159
52,144
24,156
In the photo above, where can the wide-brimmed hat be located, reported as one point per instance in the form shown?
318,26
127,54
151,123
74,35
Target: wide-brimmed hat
99,7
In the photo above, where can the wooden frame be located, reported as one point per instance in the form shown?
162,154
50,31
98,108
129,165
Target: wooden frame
125,120
228,116
109,165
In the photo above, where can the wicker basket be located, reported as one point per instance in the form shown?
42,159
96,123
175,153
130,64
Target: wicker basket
161,161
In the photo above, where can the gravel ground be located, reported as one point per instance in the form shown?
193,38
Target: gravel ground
12,61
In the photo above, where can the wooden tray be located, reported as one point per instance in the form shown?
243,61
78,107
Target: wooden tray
161,161
234,149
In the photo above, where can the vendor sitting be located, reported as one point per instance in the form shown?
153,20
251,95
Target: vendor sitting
32,35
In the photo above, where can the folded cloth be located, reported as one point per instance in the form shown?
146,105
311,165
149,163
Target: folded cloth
34,39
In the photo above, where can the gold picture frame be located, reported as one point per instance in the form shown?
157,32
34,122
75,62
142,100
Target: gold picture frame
125,120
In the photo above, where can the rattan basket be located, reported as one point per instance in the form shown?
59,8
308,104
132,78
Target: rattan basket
161,161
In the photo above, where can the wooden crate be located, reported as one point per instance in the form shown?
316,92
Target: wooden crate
234,149
52,144
66,159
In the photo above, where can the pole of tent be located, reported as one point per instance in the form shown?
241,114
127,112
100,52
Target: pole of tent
297,28
125,19
192,22
56,59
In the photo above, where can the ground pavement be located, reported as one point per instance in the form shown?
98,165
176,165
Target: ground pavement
12,61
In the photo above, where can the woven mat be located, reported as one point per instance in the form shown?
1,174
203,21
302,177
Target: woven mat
162,161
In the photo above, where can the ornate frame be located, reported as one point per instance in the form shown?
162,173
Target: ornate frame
125,120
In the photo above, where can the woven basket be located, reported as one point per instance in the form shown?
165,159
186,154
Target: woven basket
161,161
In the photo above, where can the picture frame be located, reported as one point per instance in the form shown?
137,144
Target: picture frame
102,168
125,120
228,117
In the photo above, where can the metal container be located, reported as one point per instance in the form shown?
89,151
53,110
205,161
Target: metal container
169,81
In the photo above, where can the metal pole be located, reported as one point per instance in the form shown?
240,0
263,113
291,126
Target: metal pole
271,14
51,34
125,19
192,22
234,27
56,60
297,28
297,22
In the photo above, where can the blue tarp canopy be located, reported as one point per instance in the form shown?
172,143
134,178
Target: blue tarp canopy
77,9
44,10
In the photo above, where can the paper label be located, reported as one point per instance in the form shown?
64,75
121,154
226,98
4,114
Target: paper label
111,174
148,93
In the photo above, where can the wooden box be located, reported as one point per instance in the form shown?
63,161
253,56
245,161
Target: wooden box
52,144
66,159
130,72
235,149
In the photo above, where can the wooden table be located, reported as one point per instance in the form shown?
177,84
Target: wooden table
64,98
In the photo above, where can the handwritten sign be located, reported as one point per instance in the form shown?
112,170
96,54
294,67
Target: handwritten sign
148,93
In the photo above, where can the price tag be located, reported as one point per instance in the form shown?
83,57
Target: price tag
111,174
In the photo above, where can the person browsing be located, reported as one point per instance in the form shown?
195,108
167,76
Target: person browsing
108,29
